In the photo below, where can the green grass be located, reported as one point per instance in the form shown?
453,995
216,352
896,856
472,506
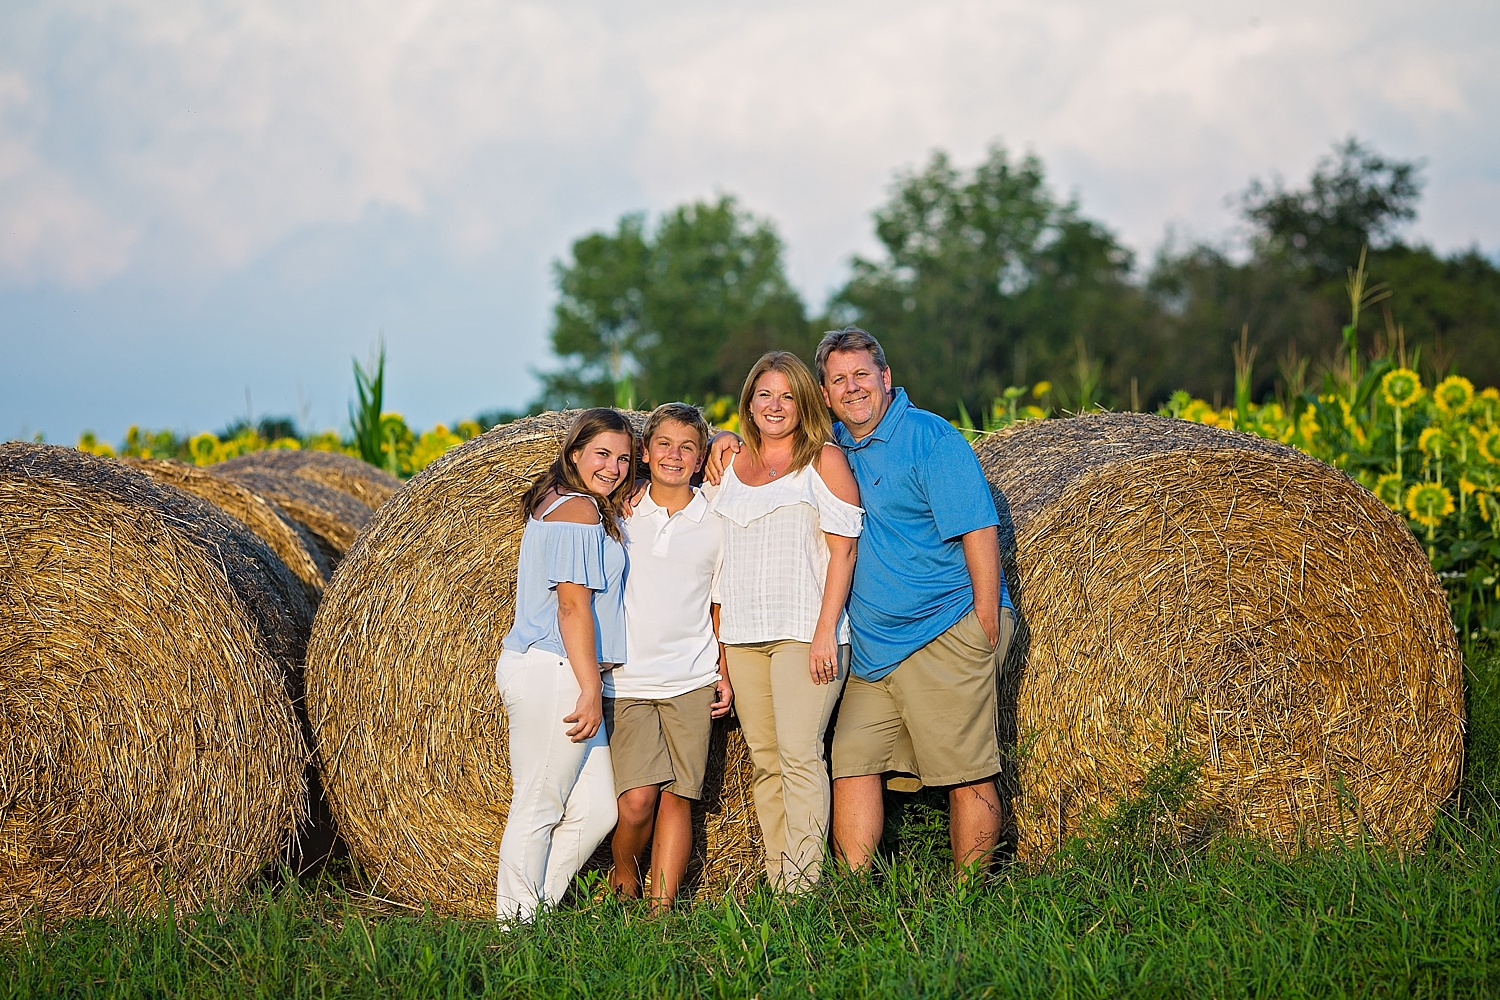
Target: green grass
1229,919
1233,921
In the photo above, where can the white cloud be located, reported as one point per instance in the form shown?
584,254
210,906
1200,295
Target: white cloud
218,130
47,229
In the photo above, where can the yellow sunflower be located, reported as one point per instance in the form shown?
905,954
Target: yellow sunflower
1435,442
1388,491
204,448
1429,503
1401,387
1453,395
1041,388
1200,411
89,442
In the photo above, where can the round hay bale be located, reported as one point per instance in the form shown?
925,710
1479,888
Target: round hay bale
411,734
1195,593
290,541
367,484
148,747
333,518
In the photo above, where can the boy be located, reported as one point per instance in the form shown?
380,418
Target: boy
659,703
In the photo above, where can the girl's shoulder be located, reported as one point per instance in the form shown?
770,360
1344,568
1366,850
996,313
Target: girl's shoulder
567,508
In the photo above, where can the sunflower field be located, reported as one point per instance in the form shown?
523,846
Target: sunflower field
402,450
1430,453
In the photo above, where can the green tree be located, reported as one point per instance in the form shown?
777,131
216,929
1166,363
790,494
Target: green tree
988,281
1355,199
1290,290
681,311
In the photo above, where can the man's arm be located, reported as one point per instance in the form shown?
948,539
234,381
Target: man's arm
982,556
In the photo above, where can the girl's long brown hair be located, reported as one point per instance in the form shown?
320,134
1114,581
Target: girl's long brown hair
562,475
814,425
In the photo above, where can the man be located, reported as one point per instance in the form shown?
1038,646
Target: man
930,613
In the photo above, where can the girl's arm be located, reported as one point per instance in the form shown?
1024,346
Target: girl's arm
823,659
575,621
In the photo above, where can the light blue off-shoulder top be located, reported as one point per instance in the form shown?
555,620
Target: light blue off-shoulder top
554,552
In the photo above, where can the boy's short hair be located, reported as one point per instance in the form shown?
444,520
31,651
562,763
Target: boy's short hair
680,413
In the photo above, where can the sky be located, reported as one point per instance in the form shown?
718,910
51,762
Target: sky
207,209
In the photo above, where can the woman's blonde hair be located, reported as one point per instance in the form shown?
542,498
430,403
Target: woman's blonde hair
562,475
814,426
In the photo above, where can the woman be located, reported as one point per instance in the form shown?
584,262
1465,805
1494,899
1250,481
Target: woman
791,516
569,626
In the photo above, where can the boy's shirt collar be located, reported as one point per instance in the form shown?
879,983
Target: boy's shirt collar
695,510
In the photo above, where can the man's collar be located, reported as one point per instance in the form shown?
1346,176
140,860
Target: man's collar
885,428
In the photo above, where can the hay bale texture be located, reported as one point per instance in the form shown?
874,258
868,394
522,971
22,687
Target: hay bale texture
148,748
1196,592
331,516
361,480
291,542
401,685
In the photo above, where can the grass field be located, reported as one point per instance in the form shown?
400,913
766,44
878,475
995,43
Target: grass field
1224,919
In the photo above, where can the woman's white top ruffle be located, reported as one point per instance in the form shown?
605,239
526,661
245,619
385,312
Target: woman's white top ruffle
775,555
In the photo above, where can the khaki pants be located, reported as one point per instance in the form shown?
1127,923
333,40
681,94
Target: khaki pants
784,715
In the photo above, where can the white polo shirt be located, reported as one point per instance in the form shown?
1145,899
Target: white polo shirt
670,647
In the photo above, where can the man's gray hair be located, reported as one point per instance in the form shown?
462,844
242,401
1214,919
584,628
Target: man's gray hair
850,338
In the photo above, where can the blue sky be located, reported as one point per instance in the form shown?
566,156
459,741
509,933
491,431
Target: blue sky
208,208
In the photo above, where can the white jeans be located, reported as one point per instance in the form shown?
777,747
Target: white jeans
563,793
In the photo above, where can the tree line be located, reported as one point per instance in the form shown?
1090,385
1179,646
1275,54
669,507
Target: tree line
986,279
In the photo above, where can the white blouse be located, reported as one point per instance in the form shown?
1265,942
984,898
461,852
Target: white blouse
775,556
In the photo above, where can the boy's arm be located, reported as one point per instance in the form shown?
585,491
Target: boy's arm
723,691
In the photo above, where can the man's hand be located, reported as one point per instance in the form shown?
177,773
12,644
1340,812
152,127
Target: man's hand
723,445
723,698
989,620
982,556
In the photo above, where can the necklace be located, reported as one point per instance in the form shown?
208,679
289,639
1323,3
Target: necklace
771,471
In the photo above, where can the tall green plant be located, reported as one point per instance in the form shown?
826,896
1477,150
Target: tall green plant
370,432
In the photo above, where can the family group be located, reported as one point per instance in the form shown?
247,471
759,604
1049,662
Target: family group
833,565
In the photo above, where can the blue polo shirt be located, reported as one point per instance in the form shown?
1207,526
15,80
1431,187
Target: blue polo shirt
922,489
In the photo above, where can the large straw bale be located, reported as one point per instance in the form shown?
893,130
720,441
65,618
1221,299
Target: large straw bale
148,747
290,541
401,685
1188,590
300,550
367,484
333,518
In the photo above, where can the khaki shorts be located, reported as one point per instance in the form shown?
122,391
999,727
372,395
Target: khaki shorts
934,716
660,742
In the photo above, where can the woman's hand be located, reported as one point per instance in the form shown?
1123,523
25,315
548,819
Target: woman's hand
587,717
642,487
823,660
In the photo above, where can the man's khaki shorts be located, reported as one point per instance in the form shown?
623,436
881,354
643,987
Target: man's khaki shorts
660,742
934,716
